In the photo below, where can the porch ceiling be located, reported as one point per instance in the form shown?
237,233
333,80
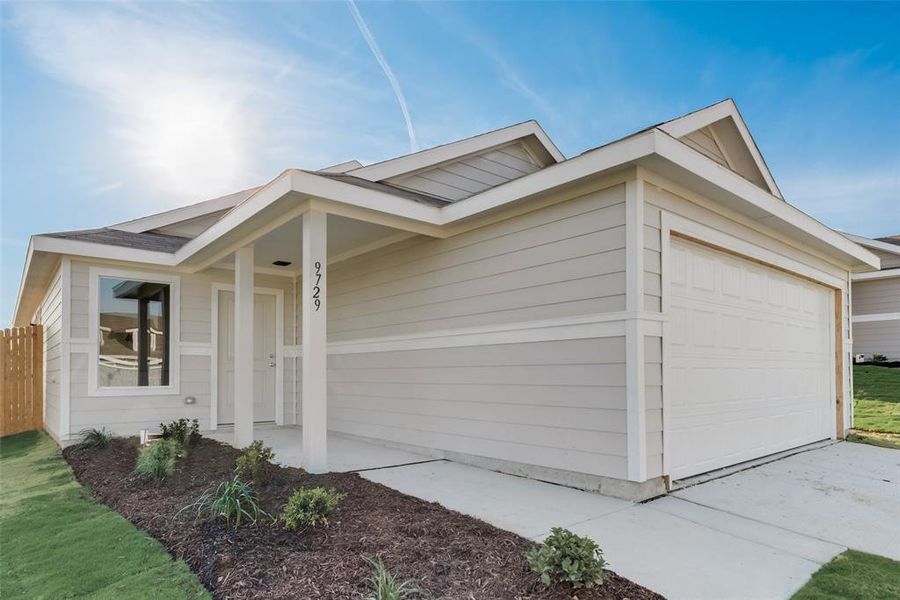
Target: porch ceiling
345,235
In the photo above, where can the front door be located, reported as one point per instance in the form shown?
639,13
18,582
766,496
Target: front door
263,358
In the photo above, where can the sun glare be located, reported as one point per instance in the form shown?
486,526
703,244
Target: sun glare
190,139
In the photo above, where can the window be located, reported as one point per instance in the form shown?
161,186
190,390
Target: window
134,333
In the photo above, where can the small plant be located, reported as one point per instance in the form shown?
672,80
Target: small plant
309,506
879,358
183,431
568,558
233,501
96,438
385,586
253,462
157,459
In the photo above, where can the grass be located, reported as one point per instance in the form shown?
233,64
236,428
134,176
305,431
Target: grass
854,575
59,543
876,406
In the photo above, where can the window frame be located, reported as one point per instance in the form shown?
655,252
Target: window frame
174,283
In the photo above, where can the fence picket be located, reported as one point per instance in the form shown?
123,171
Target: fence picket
22,386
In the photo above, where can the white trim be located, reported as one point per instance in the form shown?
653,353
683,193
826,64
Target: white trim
386,241
671,222
65,359
174,282
894,316
635,392
185,213
883,274
740,246
704,117
91,250
456,150
292,351
877,244
213,353
596,325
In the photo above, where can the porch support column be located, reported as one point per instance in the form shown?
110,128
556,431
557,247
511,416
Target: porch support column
315,342
243,347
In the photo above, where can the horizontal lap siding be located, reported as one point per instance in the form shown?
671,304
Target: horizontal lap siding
51,319
877,296
653,399
557,404
877,337
129,414
564,260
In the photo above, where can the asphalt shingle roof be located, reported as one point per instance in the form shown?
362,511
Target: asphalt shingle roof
157,242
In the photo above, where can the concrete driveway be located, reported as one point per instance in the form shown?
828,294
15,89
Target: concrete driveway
758,533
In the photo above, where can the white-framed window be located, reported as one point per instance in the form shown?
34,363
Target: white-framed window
134,332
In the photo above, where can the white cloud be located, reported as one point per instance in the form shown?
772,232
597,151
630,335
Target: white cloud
105,188
196,109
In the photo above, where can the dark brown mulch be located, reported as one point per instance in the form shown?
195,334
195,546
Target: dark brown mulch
447,554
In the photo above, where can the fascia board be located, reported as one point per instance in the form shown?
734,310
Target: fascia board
870,243
685,157
454,150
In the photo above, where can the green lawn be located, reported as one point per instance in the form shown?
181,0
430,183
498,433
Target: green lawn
854,575
876,401
58,543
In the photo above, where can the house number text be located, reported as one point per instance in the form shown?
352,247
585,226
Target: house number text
317,301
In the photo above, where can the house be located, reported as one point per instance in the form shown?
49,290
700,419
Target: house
875,301
646,311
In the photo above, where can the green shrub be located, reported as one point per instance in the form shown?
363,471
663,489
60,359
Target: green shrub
385,586
96,438
568,558
183,431
157,459
879,358
309,506
253,462
233,501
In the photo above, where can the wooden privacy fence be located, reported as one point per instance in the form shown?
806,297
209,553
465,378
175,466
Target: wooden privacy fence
21,379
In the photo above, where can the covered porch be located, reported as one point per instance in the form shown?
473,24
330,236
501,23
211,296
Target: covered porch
270,357
345,454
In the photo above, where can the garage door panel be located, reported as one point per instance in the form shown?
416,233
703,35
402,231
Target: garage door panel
749,360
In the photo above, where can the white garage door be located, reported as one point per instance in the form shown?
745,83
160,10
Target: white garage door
750,360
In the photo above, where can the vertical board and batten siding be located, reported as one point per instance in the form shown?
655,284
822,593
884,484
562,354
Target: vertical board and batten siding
658,198
51,319
877,296
557,403
470,175
564,260
128,414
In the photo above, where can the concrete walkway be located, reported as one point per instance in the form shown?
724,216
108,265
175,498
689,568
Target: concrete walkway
759,533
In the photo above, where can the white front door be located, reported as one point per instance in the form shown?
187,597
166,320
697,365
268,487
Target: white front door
264,356
750,364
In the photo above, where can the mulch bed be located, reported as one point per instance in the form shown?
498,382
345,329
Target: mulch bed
447,554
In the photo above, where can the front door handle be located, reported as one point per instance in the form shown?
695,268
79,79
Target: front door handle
271,364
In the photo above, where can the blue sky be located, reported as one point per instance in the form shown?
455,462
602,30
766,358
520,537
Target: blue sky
115,110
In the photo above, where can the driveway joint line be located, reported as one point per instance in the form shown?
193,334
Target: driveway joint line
728,512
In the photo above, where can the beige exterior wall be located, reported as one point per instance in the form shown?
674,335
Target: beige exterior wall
877,297
554,403
128,414
50,316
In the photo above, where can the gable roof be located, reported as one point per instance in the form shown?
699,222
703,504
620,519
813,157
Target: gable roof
720,133
360,194
529,131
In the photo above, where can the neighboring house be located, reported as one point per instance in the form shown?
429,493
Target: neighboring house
648,310
875,301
